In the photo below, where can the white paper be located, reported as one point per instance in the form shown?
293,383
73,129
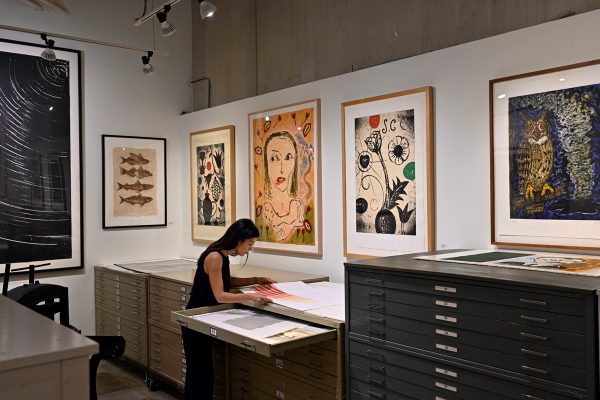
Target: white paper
295,295
249,323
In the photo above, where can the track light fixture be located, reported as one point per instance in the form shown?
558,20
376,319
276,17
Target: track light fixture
48,53
147,69
207,9
166,28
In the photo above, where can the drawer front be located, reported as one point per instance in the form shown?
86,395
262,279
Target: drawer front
163,338
425,373
162,314
450,317
523,365
119,288
126,300
123,277
154,291
156,301
162,284
135,313
390,328
512,296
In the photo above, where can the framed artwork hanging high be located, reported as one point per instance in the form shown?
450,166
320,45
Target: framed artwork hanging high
387,146
285,177
212,185
545,165
40,158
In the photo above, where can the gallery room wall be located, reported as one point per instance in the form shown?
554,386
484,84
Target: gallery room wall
460,76
118,100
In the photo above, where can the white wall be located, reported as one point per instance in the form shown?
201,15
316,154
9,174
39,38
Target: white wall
460,76
118,99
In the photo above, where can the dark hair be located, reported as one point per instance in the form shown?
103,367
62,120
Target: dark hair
240,230
294,185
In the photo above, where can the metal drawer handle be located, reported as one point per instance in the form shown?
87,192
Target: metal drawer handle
377,369
534,319
446,289
376,395
376,294
532,336
439,398
534,302
315,352
443,303
320,377
446,318
531,397
534,353
376,382
374,332
244,370
446,347
535,370
379,320
446,372
450,388
244,390
372,354
372,281
444,332
374,307
315,364
248,346
244,380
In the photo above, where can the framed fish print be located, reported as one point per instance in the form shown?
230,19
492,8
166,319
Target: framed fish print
212,186
545,164
135,181
387,146
40,158
285,177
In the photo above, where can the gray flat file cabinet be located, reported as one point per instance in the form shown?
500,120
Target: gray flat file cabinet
432,330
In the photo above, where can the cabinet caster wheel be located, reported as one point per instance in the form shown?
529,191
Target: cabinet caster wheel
152,383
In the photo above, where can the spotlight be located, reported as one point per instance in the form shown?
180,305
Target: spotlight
166,28
48,53
147,69
207,9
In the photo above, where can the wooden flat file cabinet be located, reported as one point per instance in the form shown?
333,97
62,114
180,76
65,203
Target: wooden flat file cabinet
442,331
310,367
121,309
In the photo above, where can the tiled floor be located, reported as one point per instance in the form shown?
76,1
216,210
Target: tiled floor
120,381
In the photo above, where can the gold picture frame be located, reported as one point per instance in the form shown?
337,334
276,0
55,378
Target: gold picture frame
388,164
212,182
544,151
285,177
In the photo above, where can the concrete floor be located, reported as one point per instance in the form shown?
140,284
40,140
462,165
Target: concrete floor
120,381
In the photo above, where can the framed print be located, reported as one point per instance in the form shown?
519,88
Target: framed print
387,146
134,181
40,158
545,164
212,186
285,177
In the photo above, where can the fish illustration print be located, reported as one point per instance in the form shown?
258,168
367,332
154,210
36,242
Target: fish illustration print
134,159
137,186
137,199
136,172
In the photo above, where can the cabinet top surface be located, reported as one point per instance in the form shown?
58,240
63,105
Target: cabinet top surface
520,277
186,276
28,338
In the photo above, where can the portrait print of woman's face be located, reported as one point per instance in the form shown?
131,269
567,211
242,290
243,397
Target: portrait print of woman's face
281,162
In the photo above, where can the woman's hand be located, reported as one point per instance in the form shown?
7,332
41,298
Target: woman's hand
259,299
261,280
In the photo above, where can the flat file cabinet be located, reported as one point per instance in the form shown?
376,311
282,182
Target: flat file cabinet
121,310
436,330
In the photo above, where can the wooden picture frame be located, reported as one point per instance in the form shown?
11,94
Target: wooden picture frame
41,202
134,176
388,165
544,152
212,182
286,203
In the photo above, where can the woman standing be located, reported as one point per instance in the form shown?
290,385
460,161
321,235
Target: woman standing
211,287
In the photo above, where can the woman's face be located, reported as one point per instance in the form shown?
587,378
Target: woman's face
245,246
281,159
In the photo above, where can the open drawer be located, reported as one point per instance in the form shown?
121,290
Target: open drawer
266,346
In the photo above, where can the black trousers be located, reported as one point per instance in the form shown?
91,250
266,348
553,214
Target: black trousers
199,374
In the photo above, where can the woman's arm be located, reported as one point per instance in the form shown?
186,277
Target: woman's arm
212,266
255,280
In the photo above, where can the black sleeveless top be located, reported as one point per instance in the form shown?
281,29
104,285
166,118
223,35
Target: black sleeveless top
202,294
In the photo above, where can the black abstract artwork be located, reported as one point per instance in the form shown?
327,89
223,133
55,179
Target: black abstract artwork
40,211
